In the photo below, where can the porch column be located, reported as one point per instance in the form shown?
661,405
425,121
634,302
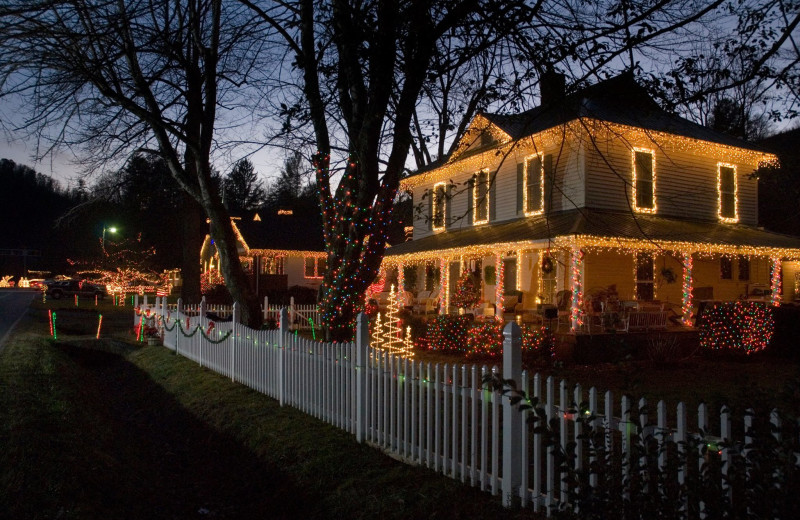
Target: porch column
576,286
499,277
401,286
688,284
444,293
775,282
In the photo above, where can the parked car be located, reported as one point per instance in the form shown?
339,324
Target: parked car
61,288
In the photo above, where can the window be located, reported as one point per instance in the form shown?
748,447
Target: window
645,270
726,185
744,268
480,197
509,275
644,180
272,265
315,266
486,137
547,290
534,185
725,268
439,202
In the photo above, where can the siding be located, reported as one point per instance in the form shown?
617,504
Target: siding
686,182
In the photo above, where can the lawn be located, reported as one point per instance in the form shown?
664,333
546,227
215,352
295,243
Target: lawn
112,429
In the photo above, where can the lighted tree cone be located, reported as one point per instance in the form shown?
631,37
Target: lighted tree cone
466,294
392,342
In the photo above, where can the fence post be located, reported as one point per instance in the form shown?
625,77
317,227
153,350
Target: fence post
178,316
266,308
135,307
292,312
234,326
512,427
145,301
362,357
282,337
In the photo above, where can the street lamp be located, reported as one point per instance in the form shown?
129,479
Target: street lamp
111,229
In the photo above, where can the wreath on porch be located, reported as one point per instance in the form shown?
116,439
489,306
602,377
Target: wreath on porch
547,264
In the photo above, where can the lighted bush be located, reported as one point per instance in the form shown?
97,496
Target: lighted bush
737,326
447,333
458,334
486,340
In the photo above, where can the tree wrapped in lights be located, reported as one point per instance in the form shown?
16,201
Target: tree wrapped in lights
742,326
386,334
467,292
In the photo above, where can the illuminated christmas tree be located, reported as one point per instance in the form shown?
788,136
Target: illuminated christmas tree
386,334
467,294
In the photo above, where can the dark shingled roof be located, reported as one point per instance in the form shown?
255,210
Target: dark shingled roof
298,232
600,224
617,100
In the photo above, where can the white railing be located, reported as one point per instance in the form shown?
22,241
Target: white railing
303,317
443,417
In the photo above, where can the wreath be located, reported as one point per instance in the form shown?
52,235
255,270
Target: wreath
547,264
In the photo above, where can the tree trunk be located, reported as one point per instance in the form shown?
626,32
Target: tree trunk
193,233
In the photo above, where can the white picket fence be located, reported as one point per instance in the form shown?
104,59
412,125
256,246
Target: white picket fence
303,317
443,417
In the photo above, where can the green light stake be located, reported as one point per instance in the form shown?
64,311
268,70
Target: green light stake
313,334
141,329
55,336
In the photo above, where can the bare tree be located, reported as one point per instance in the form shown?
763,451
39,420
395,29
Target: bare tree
110,77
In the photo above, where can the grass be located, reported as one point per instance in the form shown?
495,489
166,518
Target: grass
111,429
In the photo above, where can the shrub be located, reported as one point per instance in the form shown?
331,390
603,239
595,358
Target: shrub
744,327
446,333
486,340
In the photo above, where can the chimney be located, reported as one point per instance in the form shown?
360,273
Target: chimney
552,86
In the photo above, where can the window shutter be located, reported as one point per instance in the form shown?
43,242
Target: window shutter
493,196
549,180
448,203
430,209
470,202
520,186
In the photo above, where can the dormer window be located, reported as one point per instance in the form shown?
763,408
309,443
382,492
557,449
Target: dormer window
439,206
480,197
727,197
487,139
534,185
644,180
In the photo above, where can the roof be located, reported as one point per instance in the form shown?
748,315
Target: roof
619,226
299,231
616,100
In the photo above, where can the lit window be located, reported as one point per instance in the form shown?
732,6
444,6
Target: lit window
272,265
534,185
509,275
725,268
726,186
480,197
644,180
314,267
645,279
439,201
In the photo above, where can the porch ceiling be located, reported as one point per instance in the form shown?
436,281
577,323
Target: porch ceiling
611,226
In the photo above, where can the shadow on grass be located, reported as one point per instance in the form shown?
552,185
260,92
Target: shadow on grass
127,449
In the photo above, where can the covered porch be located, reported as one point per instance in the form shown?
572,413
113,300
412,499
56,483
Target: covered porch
603,278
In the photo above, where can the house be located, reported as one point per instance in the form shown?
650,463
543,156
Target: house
279,250
595,195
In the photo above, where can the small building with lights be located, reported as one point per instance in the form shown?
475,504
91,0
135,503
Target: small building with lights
278,250
594,195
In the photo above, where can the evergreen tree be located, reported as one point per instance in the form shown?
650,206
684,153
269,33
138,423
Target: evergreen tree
242,188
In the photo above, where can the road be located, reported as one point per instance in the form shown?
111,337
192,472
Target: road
13,304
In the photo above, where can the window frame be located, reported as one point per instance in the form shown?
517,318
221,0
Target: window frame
476,201
637,281
743,265
318,272
437,214
635,181
526,187
734,194
724,258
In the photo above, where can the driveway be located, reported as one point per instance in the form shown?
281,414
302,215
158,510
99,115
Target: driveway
13,305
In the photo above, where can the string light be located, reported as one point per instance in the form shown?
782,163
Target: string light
576,285
499,275
439,207
743,326
444,285
721,194
686,290
583,129
775,282
652,207
480,205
